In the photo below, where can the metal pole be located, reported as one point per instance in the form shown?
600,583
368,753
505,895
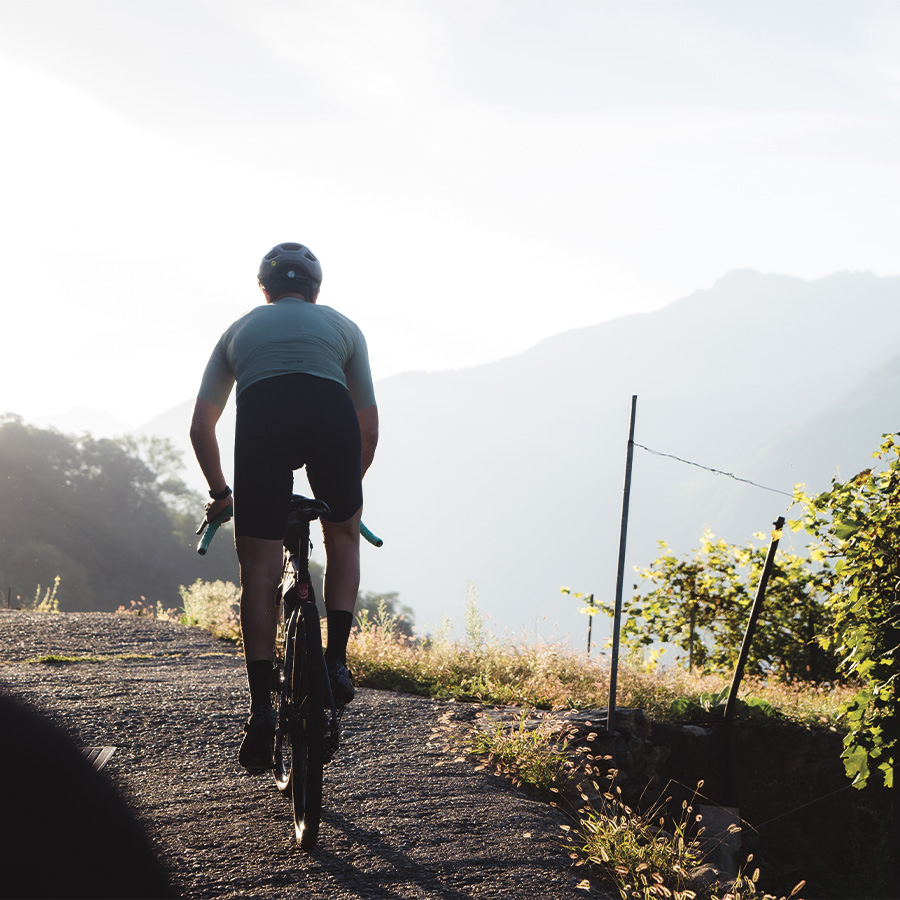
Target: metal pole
754,616
617,621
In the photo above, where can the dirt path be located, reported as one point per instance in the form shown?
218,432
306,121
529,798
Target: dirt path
405,817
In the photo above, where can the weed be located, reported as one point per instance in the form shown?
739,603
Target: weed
646,855
49,603
214,607
143,608
475,630
531,754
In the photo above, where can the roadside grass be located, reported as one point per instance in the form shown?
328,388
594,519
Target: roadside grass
553,676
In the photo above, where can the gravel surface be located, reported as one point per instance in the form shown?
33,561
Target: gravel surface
406,816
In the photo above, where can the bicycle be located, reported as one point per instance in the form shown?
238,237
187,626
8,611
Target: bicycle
307,733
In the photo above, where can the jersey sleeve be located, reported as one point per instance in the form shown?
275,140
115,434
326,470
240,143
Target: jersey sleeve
359,375
218,378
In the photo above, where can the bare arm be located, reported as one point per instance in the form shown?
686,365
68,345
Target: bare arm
368,429
206,449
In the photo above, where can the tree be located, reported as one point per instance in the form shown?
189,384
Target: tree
701,605
857,524
110,517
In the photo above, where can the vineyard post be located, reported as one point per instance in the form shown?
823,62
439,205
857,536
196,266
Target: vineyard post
620,575
754,616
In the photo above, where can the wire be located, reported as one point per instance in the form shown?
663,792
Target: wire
714,471
756,828
811,802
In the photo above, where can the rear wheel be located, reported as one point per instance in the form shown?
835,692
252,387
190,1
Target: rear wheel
308,737
283,756
282,699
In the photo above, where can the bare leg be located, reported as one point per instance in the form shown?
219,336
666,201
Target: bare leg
341,563
261,564
261,567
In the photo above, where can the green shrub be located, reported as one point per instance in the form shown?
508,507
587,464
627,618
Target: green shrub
213,606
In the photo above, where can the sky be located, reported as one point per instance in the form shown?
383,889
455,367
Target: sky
475,175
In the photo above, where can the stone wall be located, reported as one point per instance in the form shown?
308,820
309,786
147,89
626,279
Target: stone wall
786,782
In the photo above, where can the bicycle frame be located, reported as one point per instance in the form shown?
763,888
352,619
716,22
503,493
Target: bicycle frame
299,602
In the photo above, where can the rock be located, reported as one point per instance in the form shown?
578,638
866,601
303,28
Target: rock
708,875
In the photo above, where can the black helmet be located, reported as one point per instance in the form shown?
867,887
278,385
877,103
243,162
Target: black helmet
289,263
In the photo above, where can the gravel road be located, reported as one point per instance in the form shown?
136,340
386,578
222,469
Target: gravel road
406,816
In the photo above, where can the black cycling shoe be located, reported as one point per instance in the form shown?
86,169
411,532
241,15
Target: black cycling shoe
258,745
341,682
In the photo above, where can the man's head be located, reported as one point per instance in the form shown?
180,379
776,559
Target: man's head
290,269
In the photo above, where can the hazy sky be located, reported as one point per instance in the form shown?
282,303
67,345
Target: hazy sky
474,174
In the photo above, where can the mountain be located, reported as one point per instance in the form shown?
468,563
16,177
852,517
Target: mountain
510,475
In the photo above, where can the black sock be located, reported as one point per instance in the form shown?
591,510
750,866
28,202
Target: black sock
339,624
259,676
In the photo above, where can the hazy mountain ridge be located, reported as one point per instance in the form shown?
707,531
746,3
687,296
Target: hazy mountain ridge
510,474
525,457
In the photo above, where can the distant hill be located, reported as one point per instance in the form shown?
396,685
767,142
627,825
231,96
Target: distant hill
510,475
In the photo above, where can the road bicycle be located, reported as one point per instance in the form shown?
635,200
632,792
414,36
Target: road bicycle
307,733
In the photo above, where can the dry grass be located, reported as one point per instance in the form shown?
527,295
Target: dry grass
553,676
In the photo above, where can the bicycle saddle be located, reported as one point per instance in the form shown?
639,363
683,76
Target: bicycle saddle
308,508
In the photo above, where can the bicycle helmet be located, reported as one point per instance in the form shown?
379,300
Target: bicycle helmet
288,265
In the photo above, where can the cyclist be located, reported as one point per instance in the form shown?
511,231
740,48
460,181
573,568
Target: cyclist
304,397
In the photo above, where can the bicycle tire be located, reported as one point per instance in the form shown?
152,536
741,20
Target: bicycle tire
283,703
308,738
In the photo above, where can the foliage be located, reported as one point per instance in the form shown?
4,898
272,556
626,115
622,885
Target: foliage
701,605
590,609
110,517
856,524
710,705
214,607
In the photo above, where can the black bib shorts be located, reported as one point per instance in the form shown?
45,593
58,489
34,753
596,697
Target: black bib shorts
285,423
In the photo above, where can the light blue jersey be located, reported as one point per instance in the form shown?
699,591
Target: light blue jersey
287,337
